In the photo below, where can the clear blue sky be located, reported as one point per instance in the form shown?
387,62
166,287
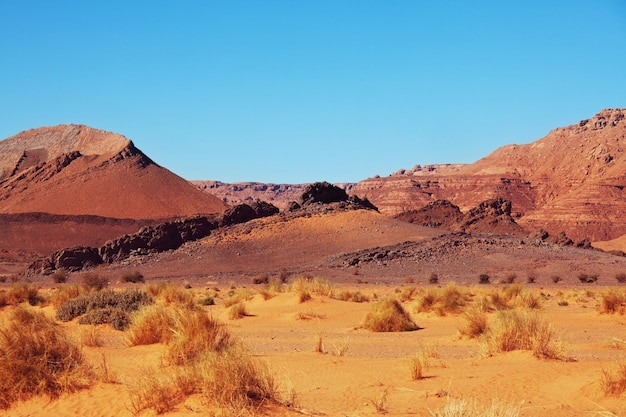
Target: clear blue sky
301,91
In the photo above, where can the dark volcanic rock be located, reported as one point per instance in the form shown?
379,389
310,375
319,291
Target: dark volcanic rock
75,259
440,213
323,192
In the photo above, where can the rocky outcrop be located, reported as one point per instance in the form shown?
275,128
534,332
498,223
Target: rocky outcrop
491,216
151,239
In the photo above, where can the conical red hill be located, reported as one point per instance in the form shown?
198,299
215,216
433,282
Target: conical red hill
76,170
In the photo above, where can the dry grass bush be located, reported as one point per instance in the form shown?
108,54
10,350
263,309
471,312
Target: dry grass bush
476,323
418,363
511,296
21,293
171,294
193,333
133,277
614,383
235,381
310,315
314,286
151,324
522,330
442,301
162,391
238,295
59,276
94,282
210,363
237,311
612,301
407,293
620,277
37,358
64,293
352,296
388,315
459,407
105,306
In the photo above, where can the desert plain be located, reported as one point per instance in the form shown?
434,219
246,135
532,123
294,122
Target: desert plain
504,283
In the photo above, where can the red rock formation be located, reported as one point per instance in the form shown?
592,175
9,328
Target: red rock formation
572,180
77,170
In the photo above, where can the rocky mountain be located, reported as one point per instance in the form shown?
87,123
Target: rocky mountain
571,181
78,170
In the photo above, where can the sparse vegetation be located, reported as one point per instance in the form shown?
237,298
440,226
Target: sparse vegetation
37,358
556,279
620,277
313,286
388,315
434,278
64,293
208,362
352,296
21,293
484,279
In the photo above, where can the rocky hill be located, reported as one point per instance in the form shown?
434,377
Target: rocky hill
571,180
78,170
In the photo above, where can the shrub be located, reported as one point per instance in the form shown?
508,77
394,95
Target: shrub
133,277
476,323
353,296
587,279
484,279
151,324
315,286
23,292
237,311
614,383
418,363
531,277
64,293
620,277
459,407
510,278
449,299
261,279
388,315
522,330
207,301
122,302
239,295
434,278
556,279
37,358
612,301
94,282
194,333
59,276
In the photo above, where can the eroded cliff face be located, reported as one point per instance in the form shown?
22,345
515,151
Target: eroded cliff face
572,180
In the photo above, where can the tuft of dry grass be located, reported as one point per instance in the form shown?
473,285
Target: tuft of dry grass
380,403
614,383
447,300
522,330
237,311
38,358
352,296
151,324
64,293
612,301
239,295
459,407
388,315
313,286
511,296
476,323
21,293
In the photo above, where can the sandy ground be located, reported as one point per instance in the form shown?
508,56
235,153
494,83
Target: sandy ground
359,370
